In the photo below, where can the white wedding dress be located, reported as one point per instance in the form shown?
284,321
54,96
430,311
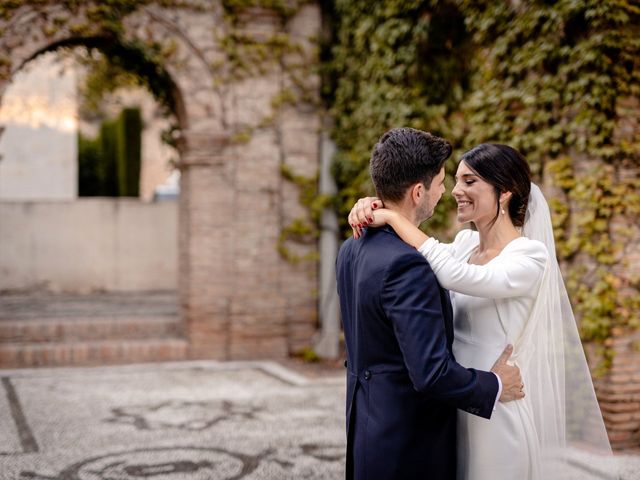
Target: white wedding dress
519,298
491,306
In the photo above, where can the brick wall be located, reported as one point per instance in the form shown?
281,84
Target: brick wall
238,297
619,391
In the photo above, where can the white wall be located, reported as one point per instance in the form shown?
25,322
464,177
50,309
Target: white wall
38,149
88,244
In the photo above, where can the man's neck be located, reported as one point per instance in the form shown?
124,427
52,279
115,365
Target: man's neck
405,211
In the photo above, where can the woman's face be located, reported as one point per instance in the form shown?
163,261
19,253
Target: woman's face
476,198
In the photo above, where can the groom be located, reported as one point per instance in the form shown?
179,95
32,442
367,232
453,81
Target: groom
403,384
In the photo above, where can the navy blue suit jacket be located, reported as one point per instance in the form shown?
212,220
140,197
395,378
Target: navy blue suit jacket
403,383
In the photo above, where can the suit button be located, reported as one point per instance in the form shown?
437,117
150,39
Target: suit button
345,364
367,375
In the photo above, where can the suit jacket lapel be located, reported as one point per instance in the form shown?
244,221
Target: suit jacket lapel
447,311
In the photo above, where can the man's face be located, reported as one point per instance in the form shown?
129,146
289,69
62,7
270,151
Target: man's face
432,197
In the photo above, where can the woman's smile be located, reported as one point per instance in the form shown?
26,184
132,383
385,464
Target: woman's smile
475,197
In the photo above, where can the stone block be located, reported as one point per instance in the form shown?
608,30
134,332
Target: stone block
306,22
249,102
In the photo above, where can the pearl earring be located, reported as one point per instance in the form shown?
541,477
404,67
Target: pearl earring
502,211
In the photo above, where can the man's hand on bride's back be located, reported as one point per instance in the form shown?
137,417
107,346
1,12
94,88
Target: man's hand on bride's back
362,215
512,386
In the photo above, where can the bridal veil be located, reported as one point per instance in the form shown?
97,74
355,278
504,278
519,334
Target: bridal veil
556,374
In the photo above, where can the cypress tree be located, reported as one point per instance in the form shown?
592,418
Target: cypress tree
129,143
110,173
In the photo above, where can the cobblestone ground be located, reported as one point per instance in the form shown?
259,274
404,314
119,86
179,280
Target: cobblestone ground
182,421
191,420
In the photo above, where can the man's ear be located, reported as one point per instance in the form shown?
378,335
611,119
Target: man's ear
417,192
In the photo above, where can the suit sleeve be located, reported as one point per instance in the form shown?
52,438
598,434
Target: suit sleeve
513,273
411,301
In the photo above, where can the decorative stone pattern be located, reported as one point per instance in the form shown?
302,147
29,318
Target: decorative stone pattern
238,298
187,420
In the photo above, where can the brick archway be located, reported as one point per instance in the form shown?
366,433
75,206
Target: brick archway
238,297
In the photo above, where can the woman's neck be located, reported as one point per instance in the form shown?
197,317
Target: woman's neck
495,236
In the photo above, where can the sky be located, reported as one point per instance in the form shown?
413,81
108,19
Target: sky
42,94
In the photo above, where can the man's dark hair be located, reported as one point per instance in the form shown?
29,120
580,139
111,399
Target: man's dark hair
403,157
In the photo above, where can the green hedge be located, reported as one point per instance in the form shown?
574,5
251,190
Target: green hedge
109,165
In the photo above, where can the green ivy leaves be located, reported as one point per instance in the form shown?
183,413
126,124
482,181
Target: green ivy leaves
548,78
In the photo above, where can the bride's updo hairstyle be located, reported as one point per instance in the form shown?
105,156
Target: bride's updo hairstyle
506,170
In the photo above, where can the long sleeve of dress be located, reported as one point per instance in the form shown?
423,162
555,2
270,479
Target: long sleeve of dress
514,272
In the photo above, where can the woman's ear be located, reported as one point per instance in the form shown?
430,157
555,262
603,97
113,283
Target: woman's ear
505,197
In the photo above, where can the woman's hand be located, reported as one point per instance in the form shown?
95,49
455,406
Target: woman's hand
362,215
369,212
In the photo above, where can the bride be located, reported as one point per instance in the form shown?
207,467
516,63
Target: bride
506,287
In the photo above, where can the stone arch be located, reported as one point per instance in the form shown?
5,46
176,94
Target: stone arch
238,298
160,82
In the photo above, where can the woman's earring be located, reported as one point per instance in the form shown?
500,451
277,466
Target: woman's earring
502,211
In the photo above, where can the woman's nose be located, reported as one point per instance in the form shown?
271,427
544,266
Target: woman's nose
455,191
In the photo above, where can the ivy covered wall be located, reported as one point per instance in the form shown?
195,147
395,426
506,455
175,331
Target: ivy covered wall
556,80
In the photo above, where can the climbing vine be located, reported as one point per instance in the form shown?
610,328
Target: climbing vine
553,79
383,80
551,83
250,55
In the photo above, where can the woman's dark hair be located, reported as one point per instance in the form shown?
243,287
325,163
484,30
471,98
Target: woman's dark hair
506,170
